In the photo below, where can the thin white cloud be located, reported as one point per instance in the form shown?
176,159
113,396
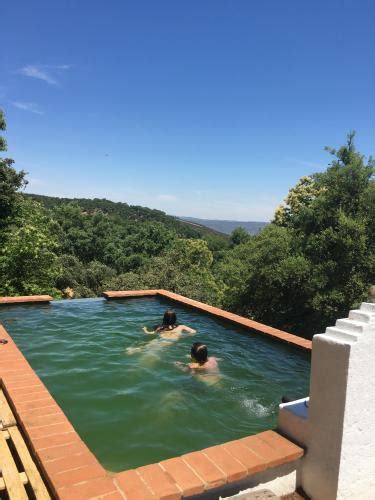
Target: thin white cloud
167,197
28,106
45,73
303,163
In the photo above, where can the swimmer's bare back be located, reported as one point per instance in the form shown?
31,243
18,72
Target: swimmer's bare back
171,333
175,333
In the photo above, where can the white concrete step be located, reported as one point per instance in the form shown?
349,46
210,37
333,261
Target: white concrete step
368,307
340,334
255,495
350,325
359,315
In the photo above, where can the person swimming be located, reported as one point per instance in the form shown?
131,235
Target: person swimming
169,329
169,332
205,368
200,359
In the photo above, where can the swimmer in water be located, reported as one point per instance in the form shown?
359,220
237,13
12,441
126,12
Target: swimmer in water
169,329
204,367
169,332
200,359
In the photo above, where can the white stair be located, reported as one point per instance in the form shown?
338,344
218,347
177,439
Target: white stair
368,307
360,315
350,325
340,334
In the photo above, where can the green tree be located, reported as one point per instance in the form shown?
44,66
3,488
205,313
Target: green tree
28,264
11,181
185,268
275,280
299,197
239,236
125,281
331,219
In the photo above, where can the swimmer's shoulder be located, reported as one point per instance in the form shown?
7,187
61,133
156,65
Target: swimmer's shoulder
185,328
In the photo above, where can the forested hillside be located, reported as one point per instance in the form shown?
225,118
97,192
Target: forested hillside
122,212
301,272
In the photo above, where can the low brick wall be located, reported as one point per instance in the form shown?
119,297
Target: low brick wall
200,471
25,299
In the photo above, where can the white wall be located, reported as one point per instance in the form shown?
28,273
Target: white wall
340,439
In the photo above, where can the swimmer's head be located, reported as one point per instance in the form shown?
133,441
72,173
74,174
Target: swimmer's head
169,318
199,352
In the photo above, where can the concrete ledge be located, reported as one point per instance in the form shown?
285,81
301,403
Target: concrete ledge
26,299
219,313
293,420
281,480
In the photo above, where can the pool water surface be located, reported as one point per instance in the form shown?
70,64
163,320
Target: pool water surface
139,408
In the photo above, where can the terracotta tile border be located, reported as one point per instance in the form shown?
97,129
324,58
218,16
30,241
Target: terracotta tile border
26,299
219,313
210,468
72,471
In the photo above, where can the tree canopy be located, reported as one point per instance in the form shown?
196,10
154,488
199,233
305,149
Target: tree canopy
309,266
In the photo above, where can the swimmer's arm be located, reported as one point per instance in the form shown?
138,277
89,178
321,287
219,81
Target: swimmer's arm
181,366
188,329
133,350
195,366
146,330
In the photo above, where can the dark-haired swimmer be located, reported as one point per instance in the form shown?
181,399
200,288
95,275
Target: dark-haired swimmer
200,359
169,329
204,367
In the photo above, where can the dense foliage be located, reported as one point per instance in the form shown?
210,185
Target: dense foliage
314,262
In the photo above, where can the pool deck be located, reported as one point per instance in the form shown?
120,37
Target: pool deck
219,313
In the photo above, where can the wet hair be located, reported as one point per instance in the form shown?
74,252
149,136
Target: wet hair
169,318
169,321
199,352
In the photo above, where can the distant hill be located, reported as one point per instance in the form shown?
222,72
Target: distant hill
226,226
135,213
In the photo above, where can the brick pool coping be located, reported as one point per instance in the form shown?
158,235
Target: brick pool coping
25,299
72,471
219,313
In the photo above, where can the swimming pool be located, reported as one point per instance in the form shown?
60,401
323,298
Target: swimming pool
138,409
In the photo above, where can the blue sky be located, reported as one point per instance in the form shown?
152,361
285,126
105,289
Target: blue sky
206,108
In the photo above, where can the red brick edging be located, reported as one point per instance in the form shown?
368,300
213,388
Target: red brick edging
25,299
210,468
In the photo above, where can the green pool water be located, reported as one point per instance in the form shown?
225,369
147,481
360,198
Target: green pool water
137,409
